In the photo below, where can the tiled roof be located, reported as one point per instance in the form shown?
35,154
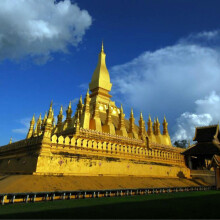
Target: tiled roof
203,148
205,134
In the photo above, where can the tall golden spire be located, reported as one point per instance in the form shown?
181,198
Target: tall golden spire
100,84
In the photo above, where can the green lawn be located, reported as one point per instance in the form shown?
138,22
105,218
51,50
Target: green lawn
181,205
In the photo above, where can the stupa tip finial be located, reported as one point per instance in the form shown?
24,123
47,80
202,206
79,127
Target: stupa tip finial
102,50
141,115
121,109
61,110
69,105
165,120
87,92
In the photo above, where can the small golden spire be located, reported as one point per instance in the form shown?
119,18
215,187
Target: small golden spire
10,140
45,118
77,124
165,130
142,130
68,115
87,92
149,123
59,119
80,104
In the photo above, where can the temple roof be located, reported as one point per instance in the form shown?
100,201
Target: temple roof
206,134
207,139
203,148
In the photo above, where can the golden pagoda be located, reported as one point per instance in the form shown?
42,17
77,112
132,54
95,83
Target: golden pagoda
96,140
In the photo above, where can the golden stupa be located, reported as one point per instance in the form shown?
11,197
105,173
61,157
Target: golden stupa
96,140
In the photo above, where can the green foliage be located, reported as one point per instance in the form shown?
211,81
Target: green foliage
181,143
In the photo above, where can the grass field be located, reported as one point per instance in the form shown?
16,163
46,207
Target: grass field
204,204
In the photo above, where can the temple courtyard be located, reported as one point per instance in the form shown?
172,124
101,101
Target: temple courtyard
181,205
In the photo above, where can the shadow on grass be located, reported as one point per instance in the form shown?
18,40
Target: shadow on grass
200,207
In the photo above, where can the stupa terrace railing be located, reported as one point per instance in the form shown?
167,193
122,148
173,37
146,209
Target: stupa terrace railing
166,147
106,136
20,144
129,151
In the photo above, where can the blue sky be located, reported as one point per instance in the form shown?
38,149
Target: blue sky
163,58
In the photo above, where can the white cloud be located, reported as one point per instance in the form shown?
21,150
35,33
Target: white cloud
169,80
39,28
208,35
186,124
25,122
207,112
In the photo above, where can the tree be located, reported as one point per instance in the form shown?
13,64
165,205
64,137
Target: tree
181,143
